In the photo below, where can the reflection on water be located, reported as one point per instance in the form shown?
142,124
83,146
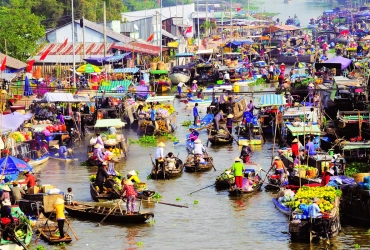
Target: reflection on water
216,222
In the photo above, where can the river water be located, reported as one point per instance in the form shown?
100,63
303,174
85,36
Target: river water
216,222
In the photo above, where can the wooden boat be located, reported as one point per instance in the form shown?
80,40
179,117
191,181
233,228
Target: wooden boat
193,164
51,235
220,138
97,213
279,206
201,102
354,205
273,183
176,78
225,180
169,174
39,161
205,122
67,158
240,192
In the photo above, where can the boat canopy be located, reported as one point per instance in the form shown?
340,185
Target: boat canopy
345,62
185,54
13,121
126,70
276,28
61,97
160,98
105,123
205,51
353,147
272,100
304,130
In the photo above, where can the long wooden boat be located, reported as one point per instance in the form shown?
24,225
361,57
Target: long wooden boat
39,161
51,235
201,102
169,174
97,213
205,122
240,192
67,158
176,78
220,138
192,163
224,180
279,206
354,206
273,183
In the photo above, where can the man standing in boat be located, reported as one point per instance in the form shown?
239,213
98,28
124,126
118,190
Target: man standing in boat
195,114
238,169
279,169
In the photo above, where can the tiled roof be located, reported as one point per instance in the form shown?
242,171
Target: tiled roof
90,49
12,62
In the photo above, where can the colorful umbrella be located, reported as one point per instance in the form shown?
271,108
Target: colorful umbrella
27,87
13,166
344,32
88,68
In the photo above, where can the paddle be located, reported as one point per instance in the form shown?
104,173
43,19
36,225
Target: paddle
231,136
202,188
114,208
211,160
168,204
155,171
43,227
71,229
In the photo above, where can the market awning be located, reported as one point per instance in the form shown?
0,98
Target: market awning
117,86
105,123
272,100
205,51
14,120
185,54
8,77
345,62
160,98
58,97
126,70
168,34
235,44
304,130
98,61
273,29
353,147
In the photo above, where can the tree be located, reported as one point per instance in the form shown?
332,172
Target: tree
208,25
133,5
21,29
50,10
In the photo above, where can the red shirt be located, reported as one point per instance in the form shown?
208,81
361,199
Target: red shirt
30,181
325,179
295,149
129,190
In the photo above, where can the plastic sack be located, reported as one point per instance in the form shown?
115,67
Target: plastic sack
93,140
53,191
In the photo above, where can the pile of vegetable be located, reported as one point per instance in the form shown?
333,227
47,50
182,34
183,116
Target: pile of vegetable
311,172
143,125
163,109
20,234
162,125
186,123
355,168
225,176
305,195
259,81
146,140
19,137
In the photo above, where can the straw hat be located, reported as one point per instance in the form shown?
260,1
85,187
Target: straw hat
132,173
6,188
97,145
237,159
7,202
195,81
276,158
128,182
283,64
161,144
2,177
58,201
230,116
221,112
310,85
295,140
28,125
26,172
15,182
197,141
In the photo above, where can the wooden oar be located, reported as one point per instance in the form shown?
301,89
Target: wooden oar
43,228
155,169
71,229
168,204
202,188
232,136
114,208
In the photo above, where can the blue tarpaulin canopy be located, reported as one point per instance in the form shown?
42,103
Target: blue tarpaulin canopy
235,44
13,166
106,60
272,100
185,54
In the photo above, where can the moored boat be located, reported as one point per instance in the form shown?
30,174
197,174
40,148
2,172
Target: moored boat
169,173
39,161
194,163
252,182
239,192
51,235
97,213
221,137
225,180
67,158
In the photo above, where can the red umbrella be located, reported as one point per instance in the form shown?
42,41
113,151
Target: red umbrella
344,32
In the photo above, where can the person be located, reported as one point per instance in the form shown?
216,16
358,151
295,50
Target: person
101,177
227,77
77,118
222,100
326,177
152,115
195,114
59,212
279,168
229,123
310,147
295,147
171,161
179,87
245,153
30,179
250,107
313,209
112,131
159,156
194,88
198,148
6,210
248,122
312,117
132,176
6,193
68,198
99,154
200,94
216,120
61,118
271,71
282,68
238,169
193,133
99,140
130,193
17,192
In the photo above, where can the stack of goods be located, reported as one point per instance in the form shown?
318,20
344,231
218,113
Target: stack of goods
226,176
328,198
20,137
117,182
365,184
164,110
305,171
162,126
56,128
286,197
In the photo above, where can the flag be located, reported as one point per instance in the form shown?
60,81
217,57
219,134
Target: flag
209,9
238,9
65,43
29,66
45,54
189,30
3,64
151,37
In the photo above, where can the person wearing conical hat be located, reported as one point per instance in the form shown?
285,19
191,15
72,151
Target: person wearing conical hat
6,193
279,168
101,176
130,194
229,123
159,157
17,192
198,148
245,153
295,147
216,120
59,213
238,168
132,176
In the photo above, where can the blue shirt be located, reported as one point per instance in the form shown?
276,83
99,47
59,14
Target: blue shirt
314,210
195,111
152,114
310,147
247,116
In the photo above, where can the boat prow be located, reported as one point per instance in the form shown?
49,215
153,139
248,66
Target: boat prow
39,161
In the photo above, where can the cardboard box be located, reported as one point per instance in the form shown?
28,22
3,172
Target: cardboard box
33,190
47,187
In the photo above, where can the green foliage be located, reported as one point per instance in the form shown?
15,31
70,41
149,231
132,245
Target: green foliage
50,10
357,246
355,168
186,123
21,29
132,5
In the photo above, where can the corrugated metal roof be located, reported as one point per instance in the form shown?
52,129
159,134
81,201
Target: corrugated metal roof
59,49
11,62
185,54
127,70
118,86
139,47
272,100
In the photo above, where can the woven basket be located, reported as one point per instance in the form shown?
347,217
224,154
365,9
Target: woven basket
360,177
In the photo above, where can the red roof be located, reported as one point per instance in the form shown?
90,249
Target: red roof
140,47
90,48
